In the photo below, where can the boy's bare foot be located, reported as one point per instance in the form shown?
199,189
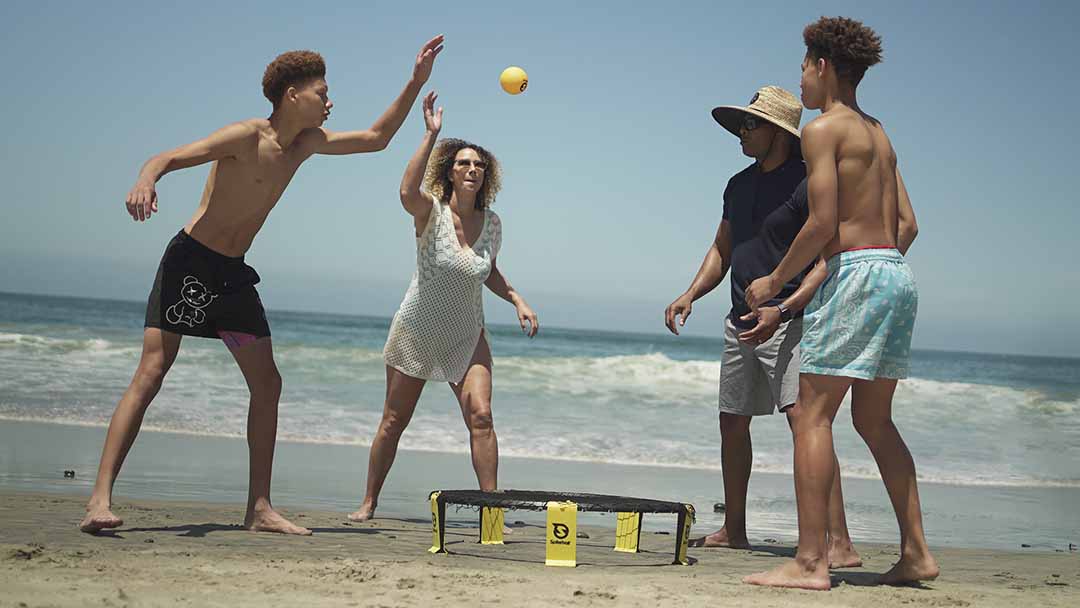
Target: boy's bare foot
911,570
720,538
844,556
364,513
98,518
269,520
795,575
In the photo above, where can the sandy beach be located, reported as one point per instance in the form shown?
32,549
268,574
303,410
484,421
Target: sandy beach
170,553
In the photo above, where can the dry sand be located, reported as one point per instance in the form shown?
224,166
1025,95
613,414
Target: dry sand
169,554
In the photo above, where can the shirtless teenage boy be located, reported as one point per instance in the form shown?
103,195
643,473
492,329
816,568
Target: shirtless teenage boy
203,287
857,328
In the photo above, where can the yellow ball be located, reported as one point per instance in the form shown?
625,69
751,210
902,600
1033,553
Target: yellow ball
513,80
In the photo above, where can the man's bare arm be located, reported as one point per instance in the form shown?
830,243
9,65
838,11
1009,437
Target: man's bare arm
325,141
228,142
819,146
713,269
715,265
906,227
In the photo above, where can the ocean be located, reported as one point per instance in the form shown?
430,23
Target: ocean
997,431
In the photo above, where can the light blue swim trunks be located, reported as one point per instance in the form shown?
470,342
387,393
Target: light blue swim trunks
859,322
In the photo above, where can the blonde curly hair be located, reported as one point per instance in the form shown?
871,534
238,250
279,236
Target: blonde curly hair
437,176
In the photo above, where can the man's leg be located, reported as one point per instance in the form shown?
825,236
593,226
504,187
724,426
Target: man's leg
871,411
159,352
402,393
815,461
256,361
736,459
474,397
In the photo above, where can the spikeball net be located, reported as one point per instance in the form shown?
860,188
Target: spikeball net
562,509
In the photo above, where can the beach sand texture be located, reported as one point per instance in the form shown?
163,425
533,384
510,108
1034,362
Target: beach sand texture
169,554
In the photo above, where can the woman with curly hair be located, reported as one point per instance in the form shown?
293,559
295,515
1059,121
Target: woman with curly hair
438,332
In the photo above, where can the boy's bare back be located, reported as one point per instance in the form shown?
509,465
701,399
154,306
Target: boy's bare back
865,169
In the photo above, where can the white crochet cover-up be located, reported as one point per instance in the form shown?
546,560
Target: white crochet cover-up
435,331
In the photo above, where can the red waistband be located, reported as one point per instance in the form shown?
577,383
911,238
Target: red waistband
868,247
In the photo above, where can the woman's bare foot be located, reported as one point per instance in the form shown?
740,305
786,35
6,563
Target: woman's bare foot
269,520
911,570
843,555
364,513
98,518
720,538
795,575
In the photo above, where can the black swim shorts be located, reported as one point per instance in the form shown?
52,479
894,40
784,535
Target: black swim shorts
200,292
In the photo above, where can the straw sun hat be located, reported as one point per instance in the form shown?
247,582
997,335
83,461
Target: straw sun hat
770,103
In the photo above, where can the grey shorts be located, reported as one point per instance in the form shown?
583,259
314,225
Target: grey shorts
759,379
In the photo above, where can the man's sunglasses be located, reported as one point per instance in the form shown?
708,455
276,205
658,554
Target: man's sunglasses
752,122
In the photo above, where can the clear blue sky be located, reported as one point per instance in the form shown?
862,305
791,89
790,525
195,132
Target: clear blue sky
614,169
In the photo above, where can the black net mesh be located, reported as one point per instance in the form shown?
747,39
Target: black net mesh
537,501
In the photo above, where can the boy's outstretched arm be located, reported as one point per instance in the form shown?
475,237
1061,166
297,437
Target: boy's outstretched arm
228,142
379,135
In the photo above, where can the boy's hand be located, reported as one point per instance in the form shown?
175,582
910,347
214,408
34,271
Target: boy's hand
425,59
142,200
432,117
762,290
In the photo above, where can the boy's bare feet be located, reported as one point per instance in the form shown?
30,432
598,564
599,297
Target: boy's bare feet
269,520
794,574
911,570
99,517
720,538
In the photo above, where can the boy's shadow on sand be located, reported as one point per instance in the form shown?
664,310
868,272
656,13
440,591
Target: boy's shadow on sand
189,530
201,530
773,550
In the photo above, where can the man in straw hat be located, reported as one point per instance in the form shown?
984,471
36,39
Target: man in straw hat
764,208
858,326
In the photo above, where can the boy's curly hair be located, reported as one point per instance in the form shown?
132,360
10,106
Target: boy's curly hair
288,69
437,176
846,43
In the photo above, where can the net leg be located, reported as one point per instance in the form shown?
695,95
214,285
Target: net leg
628,532
491,525
682,535
561,534
438,524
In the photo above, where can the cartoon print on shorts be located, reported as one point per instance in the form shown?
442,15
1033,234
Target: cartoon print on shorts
194,297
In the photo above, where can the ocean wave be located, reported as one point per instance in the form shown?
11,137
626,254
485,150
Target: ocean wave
55,344
637,409
650,378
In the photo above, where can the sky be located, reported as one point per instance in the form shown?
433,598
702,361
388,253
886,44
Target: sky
613,168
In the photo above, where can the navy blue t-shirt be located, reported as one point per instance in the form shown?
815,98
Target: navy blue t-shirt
766,211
